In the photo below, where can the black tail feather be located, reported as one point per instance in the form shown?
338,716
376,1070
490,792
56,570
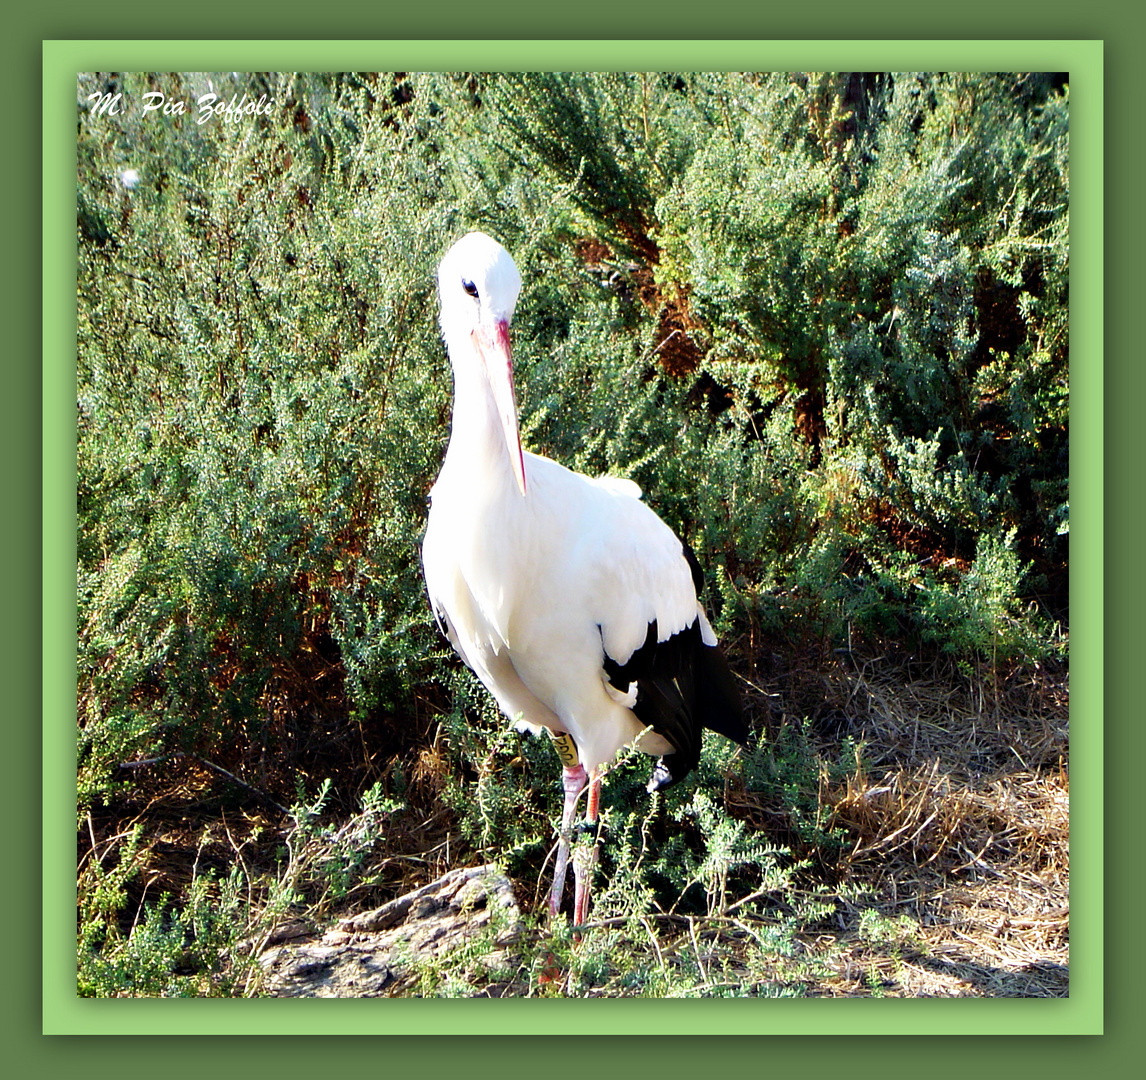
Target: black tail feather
683,686
718,697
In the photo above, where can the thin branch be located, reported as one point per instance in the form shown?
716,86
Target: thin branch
210,765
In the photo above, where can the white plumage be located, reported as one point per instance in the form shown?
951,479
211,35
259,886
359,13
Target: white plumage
558,590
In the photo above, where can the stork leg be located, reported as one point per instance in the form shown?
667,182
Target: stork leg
573,780
585,858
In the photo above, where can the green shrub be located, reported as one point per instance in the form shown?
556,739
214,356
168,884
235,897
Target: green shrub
256,431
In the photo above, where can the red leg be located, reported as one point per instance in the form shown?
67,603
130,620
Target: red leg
573,780
585,859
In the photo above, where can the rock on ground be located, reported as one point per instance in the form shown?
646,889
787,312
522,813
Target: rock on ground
379,953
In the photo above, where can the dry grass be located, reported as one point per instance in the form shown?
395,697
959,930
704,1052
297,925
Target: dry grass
959,821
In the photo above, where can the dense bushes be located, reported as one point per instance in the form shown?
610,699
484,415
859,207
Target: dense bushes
821,318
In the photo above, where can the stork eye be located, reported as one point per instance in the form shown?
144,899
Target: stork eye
470,288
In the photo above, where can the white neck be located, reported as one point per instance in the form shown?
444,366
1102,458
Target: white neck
477,455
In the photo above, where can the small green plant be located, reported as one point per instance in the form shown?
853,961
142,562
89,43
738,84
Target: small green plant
727,848
879,929
792,772
891,936
189,950
981,616
321,863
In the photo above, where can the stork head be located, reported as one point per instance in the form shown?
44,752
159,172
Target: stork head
478,284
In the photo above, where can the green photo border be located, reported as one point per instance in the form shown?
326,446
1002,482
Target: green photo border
64,1013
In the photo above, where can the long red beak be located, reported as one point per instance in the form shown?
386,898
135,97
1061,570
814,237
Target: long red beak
494,351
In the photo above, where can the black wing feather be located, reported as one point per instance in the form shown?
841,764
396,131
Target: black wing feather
683,686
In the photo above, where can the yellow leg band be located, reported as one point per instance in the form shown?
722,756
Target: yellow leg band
566,749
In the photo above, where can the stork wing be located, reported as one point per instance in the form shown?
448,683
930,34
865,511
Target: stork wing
655,638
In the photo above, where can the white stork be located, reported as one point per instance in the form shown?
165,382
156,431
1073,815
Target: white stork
569,598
